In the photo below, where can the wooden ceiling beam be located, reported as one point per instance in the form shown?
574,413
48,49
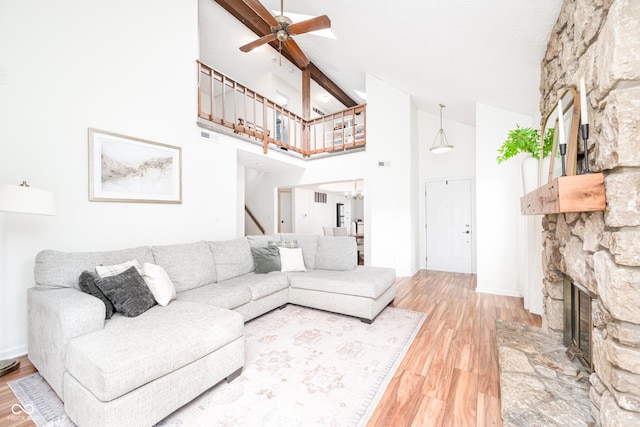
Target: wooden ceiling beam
255,23
327,84
246,15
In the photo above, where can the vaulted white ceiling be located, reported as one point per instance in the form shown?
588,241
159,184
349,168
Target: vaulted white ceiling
456,52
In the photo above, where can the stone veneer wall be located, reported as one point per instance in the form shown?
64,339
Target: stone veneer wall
600,40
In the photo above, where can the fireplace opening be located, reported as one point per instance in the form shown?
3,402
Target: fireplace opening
578,322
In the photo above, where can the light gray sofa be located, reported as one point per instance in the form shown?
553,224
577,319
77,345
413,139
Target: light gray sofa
135,371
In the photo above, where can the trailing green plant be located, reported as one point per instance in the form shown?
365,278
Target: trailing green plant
525,140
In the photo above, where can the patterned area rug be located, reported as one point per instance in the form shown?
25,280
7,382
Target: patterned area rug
303,367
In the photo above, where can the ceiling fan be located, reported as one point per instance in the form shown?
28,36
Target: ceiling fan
283,30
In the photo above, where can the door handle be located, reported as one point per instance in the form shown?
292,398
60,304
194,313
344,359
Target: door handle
466,232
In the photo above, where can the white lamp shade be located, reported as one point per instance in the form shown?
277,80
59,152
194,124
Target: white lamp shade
16,198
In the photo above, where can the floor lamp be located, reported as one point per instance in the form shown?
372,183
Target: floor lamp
24,199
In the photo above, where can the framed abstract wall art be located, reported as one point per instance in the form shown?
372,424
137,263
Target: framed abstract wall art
126,169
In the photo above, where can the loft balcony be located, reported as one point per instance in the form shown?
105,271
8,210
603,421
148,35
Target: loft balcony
227,103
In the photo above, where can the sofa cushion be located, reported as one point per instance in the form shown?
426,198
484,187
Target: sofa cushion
232,257
225,294
370,282
336,253
130,352
87,283
309,245
55,269
266,259
262,241
260,285
128,292
188,265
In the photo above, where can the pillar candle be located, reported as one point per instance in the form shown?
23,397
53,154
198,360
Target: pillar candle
584,115
561,139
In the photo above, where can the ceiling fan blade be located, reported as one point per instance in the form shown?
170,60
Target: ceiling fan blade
313,24
296,53
262,12
259,42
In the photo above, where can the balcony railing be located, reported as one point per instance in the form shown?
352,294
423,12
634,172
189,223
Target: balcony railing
226,102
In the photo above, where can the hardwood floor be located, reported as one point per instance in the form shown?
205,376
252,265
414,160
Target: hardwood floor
449,376
7,398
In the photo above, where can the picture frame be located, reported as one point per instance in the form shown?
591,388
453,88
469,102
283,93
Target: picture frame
133,170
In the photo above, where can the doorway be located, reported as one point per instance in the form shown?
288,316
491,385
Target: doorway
285,211
449,225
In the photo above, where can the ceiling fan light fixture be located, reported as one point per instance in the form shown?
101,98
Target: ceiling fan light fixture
282,35
440,143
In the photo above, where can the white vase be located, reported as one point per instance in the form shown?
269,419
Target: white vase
546,163
529,167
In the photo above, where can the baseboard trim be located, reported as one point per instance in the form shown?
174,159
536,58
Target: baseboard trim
499,292
14,352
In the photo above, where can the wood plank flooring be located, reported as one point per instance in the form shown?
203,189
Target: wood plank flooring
8,399
449,376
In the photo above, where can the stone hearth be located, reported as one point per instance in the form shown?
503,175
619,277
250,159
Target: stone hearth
600,41
539,384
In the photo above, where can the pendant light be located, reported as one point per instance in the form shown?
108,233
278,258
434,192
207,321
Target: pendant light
440,143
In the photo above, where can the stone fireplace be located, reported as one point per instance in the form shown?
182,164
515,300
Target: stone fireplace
600,40
578,322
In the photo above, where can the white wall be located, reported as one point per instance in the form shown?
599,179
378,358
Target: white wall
389,220
457,163
121,66
309,216
498,189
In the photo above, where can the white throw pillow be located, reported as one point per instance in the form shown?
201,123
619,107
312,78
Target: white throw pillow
291,259
159,283
112,270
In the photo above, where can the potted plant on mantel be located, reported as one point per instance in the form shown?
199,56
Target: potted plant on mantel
526,140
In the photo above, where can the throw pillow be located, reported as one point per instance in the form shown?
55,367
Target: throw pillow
87,284
112,270
128,292
291,259
159,283
291,244
266,259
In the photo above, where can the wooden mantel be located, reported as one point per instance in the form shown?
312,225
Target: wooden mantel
579,193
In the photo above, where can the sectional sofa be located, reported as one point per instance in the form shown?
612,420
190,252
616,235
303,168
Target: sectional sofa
134,371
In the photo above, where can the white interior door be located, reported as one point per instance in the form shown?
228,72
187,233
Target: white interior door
449,231
285,209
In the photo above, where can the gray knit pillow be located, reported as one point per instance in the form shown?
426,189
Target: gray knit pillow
266,259
87,283
128,292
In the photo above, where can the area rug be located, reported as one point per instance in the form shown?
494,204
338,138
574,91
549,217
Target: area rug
303,367
539,384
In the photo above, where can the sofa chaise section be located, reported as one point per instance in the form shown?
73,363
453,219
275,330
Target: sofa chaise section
363,293
132,359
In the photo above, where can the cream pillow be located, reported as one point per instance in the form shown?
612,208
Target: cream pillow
159,283
291,259
112,270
